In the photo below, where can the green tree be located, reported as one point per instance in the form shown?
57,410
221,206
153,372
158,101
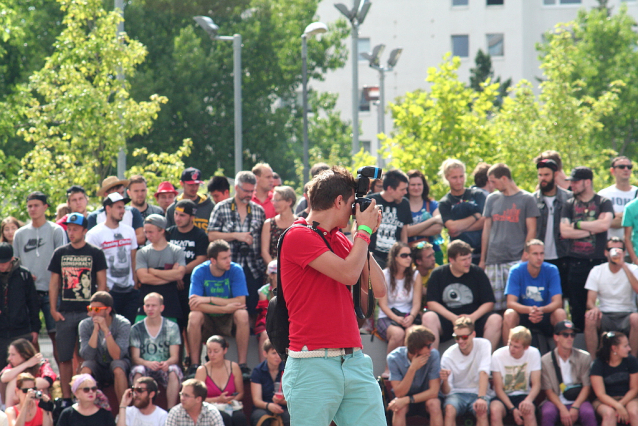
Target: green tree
484,71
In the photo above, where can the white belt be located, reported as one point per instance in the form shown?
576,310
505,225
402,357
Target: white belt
321,353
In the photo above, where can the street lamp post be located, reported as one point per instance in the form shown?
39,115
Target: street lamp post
211,28
121,155
312,29
374,62
356,16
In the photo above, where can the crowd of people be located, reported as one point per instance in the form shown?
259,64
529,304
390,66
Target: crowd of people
131,292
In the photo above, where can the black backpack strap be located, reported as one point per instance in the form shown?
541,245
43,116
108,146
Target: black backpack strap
559,376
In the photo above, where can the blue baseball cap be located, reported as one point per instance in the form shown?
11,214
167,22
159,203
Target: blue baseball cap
76,219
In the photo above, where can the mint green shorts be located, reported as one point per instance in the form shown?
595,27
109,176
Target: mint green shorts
341,388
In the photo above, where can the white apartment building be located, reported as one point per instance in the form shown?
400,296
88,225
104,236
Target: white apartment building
427,29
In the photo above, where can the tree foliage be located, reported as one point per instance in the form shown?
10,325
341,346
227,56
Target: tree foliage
484,71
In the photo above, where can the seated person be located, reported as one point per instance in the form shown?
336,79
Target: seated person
401,305
563,368
415,377
218,303
89,410
265,293
28,413
144,411
193,406
265,387
533,292
104,342
154,345
614,379
461,289
223,379
465,370
23,359
615,284
516,375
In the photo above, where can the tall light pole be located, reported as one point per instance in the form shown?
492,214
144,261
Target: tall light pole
356,16
312,29
209,26
121,155
374,62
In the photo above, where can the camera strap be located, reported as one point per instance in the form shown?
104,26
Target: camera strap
356,296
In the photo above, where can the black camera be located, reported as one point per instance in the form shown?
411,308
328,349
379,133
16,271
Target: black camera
362,185
244,249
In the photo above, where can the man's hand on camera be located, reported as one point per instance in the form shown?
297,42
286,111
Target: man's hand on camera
370,217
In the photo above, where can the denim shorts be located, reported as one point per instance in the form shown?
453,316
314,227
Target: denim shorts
463,403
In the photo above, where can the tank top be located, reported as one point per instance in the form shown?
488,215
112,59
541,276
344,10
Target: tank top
214,390
35,421
275,233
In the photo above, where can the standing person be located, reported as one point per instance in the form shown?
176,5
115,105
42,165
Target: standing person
143,412
86,411
265,387
159,266
239,220
415,371
481,180
465,371
34,244
119,244
573,365
426,219
314,171
78,270
218,188
461,289
283,199
401,306
510,222
395,215
77,200
165,195
614,379
317,280
8,229
516,373
559,177
551,199
462,208
138,191
263,189
584,221
620,194
193,409
104,343
191,180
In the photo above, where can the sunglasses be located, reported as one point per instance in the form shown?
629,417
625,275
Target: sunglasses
95,309
567,335
458,337
404,255
610,335
624,166
423,245
91,389
138,390
26,390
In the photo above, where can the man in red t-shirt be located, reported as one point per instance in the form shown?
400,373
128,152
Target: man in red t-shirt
327,376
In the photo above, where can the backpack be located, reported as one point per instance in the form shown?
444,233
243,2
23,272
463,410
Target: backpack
277,319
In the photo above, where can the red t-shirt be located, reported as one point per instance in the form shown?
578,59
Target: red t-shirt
269,207
320,309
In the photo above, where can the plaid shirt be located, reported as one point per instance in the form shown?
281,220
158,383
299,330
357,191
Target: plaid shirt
225,218
209,416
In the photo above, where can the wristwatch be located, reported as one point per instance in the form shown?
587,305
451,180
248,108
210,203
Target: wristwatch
484,398
411,399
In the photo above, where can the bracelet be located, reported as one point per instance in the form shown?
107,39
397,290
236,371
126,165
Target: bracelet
575,408
267,406
210,300
123,407
365,228
511,410
110,333
411,399
363,236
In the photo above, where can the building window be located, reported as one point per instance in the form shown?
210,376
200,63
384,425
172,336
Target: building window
461,46
364,47
495,45
555,2
495,2
366,146
460,2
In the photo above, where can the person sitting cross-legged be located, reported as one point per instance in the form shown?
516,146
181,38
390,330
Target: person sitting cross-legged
155,343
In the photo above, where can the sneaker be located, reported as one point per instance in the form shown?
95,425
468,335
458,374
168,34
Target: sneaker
190,373
245,371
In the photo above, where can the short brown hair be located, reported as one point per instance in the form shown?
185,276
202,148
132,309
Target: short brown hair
151,385
215,247
550,155
199,388
480,174
464,322
137,179
499,170
328,185
617,159
417,338
458,248
24,377
533,242
267,346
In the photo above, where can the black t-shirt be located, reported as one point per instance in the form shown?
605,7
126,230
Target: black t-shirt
452,207
460,295
591,247
394,217
78,269
616,379
71,417
194,243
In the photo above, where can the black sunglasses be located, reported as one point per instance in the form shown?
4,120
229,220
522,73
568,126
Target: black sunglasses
138,390
404,255
26,390
572,335
624,166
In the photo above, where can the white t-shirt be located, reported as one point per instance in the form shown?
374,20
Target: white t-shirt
619,199
550,244
400,298
135,418
614,290
464,376
566,372
117,245
516,372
